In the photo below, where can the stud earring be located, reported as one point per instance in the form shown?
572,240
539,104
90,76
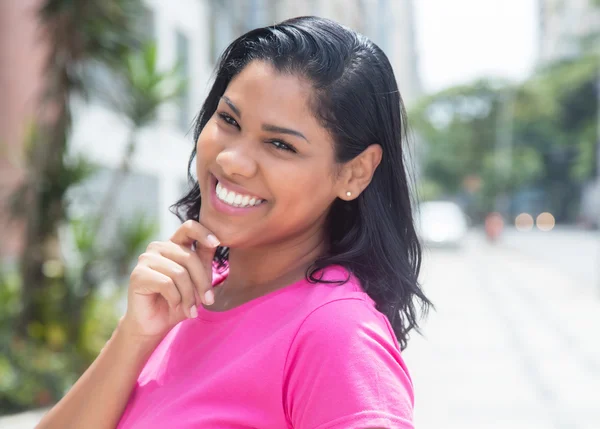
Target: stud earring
348,194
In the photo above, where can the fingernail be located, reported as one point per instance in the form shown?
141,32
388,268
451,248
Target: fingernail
193,312
209,297
213,241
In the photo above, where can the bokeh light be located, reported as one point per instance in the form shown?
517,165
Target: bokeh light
545,221
524,222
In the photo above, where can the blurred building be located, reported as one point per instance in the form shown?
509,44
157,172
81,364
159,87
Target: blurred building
22,57
564,27
389,23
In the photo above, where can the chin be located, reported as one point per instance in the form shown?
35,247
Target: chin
213,224
229,235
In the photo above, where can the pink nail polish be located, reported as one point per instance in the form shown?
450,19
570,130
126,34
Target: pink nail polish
213,240
193,312
209,297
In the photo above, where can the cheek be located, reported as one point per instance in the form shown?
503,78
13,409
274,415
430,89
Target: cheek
207,144
302,188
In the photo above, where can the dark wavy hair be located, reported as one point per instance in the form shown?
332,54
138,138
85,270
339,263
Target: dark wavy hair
356,98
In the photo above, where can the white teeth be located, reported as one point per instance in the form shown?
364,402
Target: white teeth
235,199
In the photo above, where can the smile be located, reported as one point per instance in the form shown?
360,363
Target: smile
234,199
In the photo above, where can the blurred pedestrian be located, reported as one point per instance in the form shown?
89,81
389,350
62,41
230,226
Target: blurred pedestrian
286,296
494,225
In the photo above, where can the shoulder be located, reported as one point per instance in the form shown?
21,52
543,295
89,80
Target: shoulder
338,308
350,323
342,320
346,331
344,367
331,285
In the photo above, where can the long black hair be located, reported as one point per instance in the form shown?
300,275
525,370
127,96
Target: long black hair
356,98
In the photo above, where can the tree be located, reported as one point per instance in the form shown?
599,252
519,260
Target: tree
556,116
458,126
76,32
142,88
460,129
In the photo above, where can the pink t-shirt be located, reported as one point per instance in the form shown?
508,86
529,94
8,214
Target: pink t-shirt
305,356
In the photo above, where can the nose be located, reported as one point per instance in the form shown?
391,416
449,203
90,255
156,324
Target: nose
234,162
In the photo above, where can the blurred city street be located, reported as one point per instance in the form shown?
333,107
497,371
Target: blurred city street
513,342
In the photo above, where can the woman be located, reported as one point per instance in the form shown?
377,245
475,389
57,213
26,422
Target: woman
287,294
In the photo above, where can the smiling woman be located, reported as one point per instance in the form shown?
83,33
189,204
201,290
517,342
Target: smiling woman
286,296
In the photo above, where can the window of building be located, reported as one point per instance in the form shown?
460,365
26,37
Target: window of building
138,195
183,63
222,23
230,19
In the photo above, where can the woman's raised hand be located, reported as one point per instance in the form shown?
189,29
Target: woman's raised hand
170,281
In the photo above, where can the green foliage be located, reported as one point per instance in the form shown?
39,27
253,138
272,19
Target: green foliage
140,86
27,370
459,128
430,190
102,31
147,86
539,134
34,375
134,237
37,369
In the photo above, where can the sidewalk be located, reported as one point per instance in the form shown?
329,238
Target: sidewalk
26,420
572,251
509,345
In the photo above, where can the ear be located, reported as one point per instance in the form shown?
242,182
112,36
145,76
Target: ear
358,172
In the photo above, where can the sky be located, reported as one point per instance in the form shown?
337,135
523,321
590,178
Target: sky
461,40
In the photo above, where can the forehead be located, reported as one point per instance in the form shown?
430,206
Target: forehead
262,89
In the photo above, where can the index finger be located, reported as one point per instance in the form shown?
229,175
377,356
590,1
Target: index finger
191,232
204,243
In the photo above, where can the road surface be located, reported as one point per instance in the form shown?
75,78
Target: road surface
514,343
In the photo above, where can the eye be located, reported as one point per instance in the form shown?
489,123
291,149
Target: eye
281,145
228,119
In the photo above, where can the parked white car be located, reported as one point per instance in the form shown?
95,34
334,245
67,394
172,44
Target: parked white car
441,223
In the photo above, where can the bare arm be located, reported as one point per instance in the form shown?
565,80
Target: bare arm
99,397
170,280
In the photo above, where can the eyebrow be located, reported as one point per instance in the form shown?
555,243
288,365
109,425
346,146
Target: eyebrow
232,106
281,130
265,127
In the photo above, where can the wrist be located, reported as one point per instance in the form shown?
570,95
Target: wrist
125,335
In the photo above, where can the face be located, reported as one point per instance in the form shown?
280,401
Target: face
265,166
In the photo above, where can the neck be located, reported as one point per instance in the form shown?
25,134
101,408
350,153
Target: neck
274,265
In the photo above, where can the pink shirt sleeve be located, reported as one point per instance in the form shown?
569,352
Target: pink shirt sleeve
344,370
